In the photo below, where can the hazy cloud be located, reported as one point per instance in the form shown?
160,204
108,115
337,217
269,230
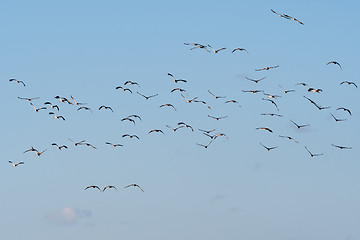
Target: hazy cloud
68,216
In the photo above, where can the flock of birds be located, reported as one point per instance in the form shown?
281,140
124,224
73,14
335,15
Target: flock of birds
130,87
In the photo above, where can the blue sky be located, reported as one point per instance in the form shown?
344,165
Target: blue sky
235,189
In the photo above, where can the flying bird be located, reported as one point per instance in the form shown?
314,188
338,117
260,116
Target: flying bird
105,107
39,153
135,116
217,118
131,83
134,185
168,105
315,90
313,154
178,89
114,145
77,143
271,114
28,99
123,89
253,91
266,68
268,148
128,119
216,51
288,137
174,129
255,80
177,80
130,136
341,147
203,102
216,97
205,146
336,119
316,105
93,186
185,125
147,97
265,128
240,49
348,83
197,45
156,130
189,100
52,106
37,109
286,91
345,109
32,149
59,147
62,99
299,126
336,63
17,81
85,108
16,164
75,102
108,187
233,101
272,101
206,131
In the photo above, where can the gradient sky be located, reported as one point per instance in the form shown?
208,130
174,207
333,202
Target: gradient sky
235,189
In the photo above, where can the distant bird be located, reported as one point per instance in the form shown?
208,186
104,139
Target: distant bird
216,51
189,100
265,128
16,164
348,83
59,147
32,149
17,81
302,84
271,114
313,154
174,129
128,119
105,107
233,101
299,126
39,153
197,45
114,145
316,90
89,145
130,136
345,109
185,125
239,49
216,97
280,15
134,185
123,89
56,116
217,118
168,105
336,119
147,97
336,63
37,109
288,137
178,89
287,17
286,91
109,186
77,103
266,68
253,91
28,99
205,146
85,108
131,83
268,148
206,131
341,147
316,105
273,102
77,143
271,95
62,99
93,186
156,130
203,102
52,106
220,135
177,80
255,80
135,116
